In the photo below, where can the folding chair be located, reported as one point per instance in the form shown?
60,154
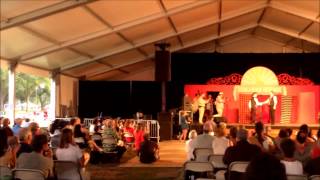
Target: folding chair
28,174
202,154
5,171
238,166
314,177
217,161
199,167
296,177
67,170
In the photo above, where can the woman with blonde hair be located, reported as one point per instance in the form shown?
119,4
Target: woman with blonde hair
220,142
192,135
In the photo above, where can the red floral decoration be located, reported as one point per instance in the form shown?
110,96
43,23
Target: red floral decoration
286,79
232,79
235,79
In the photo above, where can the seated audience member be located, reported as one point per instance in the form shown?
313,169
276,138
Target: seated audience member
6,127
292,166
96,136
260,139
220,143
138,136
315,152
233,136
80,137
289,131
149,150
313,166
35,129
303,148
25,138
110,140
265,167
128,132
192,135
75,121
203,140
7,150
283,134
25,123
17,126
242,151
55,131
305,128
40,158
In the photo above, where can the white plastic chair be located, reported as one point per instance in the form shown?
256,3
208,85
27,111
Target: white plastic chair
296,177
67,170
5,171
195,166
28,174
314,177
238,166
217,161
202,154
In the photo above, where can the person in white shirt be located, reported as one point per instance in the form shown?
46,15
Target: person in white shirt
253,104
220,142
293,167
219,104
201,105
192,135
68,150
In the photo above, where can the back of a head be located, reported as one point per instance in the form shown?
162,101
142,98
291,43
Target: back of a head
318,134
207,127
192,134
288,147
304,128
265,167
24,133
233,131
242,134
146,136
220,130
283,133
38,141
66,138
259,127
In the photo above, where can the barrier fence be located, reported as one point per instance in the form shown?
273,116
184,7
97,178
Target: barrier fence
152,126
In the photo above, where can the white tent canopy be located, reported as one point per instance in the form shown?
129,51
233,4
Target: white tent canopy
98,40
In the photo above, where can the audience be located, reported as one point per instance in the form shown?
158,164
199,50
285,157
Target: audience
203,140
192,135
303,148
25,137
128,132
149,150
265,167
260,139
292,165
17,126
233,135
138,136
220,143
35,129
313,166
40,158
7,150
242,151
5,126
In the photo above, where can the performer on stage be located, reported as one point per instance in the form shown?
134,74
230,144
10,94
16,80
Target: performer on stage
219,104
195,105
253,104
273,101
184,124
209,105
201,104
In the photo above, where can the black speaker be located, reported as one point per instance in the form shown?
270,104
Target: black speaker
162,65
165,122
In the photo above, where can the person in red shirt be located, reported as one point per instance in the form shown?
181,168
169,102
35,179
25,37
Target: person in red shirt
138,136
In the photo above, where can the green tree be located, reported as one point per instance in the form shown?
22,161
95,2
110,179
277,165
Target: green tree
4,82
25,87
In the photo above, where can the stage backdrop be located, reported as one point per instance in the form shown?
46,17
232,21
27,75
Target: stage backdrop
304,108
